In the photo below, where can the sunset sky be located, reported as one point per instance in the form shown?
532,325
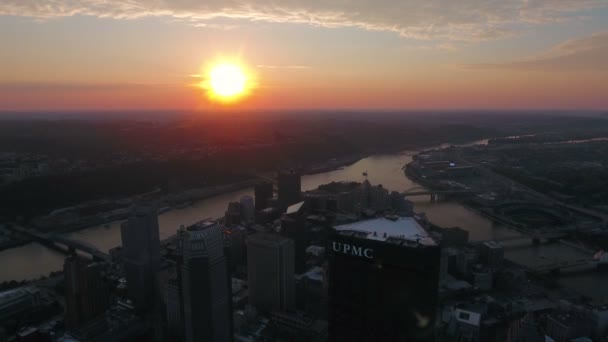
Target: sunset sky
305,54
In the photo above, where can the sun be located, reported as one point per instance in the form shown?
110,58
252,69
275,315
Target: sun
227,82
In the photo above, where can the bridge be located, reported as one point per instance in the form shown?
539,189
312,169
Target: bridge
63,244
420,191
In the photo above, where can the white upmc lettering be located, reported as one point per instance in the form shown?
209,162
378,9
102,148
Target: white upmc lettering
352,250
346,248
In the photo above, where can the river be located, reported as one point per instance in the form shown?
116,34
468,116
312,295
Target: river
32,260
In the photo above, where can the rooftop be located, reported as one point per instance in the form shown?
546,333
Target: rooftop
391,230
294,208
492,244
267,237
201,225
17,294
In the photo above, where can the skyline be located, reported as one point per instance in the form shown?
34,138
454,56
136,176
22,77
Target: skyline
431,55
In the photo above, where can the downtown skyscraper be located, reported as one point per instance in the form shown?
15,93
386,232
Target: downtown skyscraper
141,255
205,284
270,268
383,281
86,296
290,187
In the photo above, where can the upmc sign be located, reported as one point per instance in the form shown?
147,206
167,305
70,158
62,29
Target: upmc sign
348,249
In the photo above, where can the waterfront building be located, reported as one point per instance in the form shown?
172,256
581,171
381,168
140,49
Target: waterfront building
205,284
86,296
401,205
290,187
375,198
263,191
270,266
383,281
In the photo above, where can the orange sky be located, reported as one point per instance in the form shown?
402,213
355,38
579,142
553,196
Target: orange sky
70,56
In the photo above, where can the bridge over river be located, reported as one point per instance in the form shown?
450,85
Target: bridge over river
421,191
62,243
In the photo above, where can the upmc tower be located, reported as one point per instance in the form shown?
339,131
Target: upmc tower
383,280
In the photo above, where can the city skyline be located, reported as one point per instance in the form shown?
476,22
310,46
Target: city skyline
413,55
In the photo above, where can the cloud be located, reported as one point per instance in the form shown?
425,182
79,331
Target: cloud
262,66
80,86
462,20
580,54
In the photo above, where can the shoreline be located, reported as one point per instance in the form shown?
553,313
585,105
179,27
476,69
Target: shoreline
188,197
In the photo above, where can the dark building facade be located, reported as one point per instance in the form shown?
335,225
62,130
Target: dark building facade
174,309
293,226
233,214
86,293
290,188
263,191
205,284
383,281
270,271
141,255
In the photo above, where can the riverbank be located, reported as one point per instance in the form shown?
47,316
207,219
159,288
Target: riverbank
83,216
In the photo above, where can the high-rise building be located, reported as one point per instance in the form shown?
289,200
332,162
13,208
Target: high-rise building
235,237
263,191
86,293
293,226
141,255
270,270
233,214
383,281
174,308
290,188
205,284
247,209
